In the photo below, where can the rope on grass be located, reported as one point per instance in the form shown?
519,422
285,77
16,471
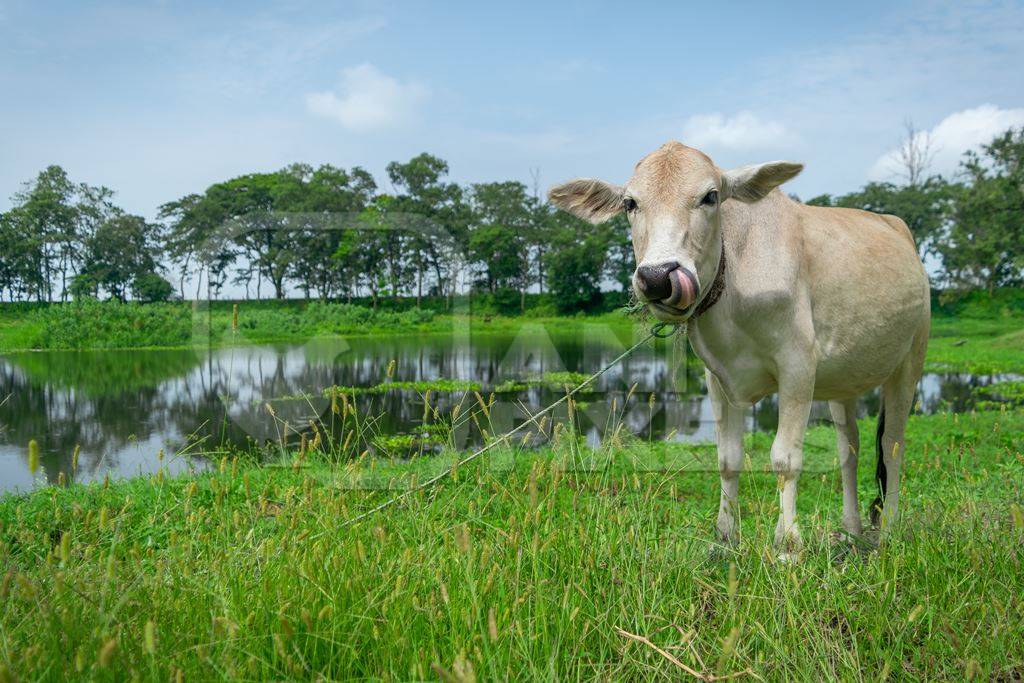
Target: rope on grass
658,331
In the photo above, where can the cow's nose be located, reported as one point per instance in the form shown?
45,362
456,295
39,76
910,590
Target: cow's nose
668,283
656,280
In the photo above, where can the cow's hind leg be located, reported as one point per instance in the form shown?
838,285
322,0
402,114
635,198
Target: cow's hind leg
844,416
897,400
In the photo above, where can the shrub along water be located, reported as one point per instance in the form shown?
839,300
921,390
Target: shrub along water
110,324
93,324
115,325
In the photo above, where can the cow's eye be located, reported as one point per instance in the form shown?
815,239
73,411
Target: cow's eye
629,204
710,199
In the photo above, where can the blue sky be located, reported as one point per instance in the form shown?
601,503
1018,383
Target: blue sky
156,100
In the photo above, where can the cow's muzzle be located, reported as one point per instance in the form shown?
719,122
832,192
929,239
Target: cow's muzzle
668,283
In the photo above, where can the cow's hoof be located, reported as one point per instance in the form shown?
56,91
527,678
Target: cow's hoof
721,552
842,552
845,546
788,557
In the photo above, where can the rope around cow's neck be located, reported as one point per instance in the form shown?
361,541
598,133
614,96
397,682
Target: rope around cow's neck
658,331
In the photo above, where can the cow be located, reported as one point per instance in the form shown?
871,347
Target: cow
808,302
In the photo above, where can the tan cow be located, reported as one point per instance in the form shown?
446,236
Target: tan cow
808,302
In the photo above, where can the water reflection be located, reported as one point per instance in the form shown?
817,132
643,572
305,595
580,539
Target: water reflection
122,407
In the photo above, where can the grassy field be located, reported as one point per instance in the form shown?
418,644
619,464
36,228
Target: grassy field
526,565
975,345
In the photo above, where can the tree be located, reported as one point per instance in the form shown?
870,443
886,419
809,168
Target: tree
575,263
190,224
120,255
985,243
150,287
46,229
285,223
17,273
368,254
46,216
501,235
621,261
915,155
327,208
433,216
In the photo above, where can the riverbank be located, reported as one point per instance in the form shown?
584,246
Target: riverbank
118,326
526,564
982,339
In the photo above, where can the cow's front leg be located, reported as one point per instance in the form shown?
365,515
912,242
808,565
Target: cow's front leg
788,458
729,432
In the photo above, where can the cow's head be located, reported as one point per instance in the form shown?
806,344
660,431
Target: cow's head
673,203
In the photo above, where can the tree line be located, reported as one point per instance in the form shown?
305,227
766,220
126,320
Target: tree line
331,233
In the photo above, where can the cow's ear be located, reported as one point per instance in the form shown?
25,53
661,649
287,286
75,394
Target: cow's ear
751,183
592,200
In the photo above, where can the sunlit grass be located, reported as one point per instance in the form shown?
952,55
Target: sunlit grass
523,565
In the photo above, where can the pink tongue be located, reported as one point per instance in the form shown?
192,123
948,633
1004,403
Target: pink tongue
682,290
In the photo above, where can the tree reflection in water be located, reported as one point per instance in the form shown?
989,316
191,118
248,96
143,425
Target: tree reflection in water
121,407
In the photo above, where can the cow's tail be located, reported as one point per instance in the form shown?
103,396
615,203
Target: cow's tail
880,474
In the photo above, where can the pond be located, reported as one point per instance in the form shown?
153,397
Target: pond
124,413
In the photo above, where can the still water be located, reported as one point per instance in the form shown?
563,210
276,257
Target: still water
122,409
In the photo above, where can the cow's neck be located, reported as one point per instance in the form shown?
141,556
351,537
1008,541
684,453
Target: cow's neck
716,289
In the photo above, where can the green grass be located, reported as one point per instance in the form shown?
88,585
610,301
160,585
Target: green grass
524,565
421,386
980,346
112,325
978,335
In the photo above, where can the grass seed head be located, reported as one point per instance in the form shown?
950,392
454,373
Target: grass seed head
462,539
33,456
1018,516
149,637
65,547
492,625
106,653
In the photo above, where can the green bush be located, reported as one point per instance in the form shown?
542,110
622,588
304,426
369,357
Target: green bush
978,303
111,324
319,317
507,301
150,287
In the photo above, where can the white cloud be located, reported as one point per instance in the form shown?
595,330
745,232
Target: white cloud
954,135
368,100
744,131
